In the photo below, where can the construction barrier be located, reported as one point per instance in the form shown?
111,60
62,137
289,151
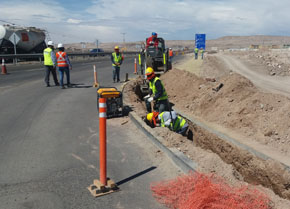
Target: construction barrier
103,140
96,84
197,191
4,69
135,66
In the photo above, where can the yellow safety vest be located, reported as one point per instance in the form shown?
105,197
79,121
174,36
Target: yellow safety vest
117,58
176,125
196,50
154,90
47,57
140,59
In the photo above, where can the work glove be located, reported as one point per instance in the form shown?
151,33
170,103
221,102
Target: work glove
146,97
150,99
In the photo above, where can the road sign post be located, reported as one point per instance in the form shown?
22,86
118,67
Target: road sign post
14,38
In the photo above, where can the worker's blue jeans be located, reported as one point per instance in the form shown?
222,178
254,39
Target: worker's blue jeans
196,55
116,73
182,131
61,71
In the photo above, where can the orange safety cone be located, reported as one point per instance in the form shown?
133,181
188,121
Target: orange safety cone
4,69
96,84
135,71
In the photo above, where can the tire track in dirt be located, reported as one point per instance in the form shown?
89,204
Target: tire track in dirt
279,85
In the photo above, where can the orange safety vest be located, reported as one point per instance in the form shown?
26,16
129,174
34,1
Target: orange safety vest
61,61
170,53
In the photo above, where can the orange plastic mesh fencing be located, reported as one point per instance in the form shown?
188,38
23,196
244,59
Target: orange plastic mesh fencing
202,191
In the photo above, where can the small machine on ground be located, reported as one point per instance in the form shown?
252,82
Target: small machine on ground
114,101
158,57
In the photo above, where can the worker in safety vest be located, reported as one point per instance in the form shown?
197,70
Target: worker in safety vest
168,119
157,93
196,53
117,60
141,60
50,63
170,54
63,64
201,52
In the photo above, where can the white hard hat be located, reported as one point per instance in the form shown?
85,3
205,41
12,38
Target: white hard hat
60,45
50,43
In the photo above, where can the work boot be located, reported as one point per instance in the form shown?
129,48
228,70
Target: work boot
47,85
57,84
68,85
62,87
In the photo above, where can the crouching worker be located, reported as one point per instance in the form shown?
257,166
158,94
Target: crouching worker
168,119
157,93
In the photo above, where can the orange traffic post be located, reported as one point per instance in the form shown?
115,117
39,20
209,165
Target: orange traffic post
4,69
103,140
135,71
96,84
104,185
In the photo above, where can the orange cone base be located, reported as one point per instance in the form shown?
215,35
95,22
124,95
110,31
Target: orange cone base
97,189
4,70
96,85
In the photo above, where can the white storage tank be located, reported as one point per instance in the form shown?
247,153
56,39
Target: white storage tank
30,37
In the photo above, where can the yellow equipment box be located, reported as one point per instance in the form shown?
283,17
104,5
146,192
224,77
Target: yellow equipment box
114,100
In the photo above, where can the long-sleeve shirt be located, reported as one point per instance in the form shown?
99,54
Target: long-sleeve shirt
168,118
113,61
159,89
67,61
53,57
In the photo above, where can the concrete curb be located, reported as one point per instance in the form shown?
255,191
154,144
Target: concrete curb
177,157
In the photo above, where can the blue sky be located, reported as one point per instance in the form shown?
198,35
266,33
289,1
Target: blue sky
76,20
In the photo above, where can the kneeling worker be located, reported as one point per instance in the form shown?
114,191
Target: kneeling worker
157,93
168,119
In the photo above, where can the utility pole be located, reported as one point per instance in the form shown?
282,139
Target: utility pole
124,45
123,38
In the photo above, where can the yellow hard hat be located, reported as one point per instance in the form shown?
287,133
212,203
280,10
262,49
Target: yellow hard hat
116,47
149,70
150,116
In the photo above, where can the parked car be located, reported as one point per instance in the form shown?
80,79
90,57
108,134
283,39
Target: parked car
97,50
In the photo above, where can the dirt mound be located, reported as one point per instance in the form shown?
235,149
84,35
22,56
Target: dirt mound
239,165
237,106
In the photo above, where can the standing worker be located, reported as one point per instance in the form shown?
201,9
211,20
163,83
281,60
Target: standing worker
50,63
201,52
63,64
117,60
170,55
168,119
157,93
141,60
196,53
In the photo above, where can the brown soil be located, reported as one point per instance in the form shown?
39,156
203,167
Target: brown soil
239,166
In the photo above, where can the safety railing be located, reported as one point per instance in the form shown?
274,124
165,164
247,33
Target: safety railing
73,56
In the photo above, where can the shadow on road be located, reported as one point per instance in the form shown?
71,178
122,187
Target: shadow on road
79,85
136,175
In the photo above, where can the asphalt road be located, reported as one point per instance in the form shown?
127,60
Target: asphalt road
49,149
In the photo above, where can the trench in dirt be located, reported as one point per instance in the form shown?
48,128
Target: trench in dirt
255,170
